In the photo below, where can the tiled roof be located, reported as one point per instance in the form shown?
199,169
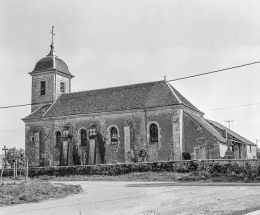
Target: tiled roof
234,134
137,96
203,122
183,99
38,113
47,64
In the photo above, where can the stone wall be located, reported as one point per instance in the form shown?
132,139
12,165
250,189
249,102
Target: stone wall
37,98
137,124
51,93
197,137
64,80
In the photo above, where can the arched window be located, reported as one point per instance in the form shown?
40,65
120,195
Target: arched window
113,135
58,139
153,133
83,137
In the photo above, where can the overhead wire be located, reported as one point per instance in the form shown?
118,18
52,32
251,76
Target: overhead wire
215,71
191,76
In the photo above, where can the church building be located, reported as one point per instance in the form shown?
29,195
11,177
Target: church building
144,122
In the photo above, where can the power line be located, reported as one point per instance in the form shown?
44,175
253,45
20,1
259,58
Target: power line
232,107
202,110
220,70
12,130
191,76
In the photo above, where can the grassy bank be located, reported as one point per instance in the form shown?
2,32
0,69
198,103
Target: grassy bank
158,176
18,192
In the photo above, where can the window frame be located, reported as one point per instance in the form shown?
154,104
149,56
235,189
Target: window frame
113,135
83,139
42,88
153,133
62,86
58,139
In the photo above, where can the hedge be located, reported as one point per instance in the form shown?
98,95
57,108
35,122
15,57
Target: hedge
246,168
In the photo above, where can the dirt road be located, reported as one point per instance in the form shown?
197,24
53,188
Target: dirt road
129,198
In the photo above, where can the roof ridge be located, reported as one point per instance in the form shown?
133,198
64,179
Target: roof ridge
111,88
228,129
171,88
217,133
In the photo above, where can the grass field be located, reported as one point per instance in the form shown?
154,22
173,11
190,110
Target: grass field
20,191
156,176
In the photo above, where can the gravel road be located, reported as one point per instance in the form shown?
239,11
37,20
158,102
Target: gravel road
142,198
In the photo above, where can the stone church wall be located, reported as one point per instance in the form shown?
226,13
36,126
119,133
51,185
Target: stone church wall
64,80
132,137
39,146
36,97
196,137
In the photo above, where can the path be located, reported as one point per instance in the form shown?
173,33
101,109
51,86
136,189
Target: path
132,198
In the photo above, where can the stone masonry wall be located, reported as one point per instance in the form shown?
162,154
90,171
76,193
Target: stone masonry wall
36,96
196,136
167,148
60,79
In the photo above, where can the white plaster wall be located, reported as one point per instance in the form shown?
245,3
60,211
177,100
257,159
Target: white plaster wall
251,155
222,149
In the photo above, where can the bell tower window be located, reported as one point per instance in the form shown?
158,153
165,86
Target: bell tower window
43,88
62,87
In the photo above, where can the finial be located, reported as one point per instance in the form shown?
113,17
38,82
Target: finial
52,53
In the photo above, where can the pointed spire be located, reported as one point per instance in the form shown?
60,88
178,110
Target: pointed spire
52,53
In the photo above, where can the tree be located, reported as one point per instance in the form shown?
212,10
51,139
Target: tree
14,154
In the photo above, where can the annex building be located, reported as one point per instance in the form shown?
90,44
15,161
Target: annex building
134,123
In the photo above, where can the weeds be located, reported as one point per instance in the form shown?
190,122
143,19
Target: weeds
33,191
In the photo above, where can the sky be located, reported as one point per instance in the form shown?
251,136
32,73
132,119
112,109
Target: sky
108,43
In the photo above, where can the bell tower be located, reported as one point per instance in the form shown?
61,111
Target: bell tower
50,78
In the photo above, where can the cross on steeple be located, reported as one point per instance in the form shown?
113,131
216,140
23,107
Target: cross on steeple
52,53
5,149
52,34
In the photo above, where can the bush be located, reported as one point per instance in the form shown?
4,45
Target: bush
199,168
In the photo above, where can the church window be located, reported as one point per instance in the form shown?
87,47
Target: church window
62,87
58,139
83,137
43,85
153,133
113,133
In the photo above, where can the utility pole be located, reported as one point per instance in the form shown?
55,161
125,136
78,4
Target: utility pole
229,121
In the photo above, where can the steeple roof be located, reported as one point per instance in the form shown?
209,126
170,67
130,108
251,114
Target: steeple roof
51,62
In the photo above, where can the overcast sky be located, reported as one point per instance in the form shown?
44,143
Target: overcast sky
110,43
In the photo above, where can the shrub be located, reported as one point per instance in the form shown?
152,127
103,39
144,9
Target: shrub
206,168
